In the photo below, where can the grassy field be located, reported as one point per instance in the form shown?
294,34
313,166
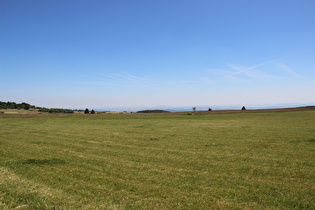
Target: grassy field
156,161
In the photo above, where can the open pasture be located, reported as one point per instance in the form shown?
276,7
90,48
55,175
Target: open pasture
158,161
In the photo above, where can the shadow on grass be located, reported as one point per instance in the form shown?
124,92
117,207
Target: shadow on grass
54,161
154,139
213,145
300,141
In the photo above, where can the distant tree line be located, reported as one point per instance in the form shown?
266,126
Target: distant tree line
13,105
55,110
152,111
26,106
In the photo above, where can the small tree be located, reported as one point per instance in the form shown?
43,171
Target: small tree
92,112
194,108
243,108
209,109
86,111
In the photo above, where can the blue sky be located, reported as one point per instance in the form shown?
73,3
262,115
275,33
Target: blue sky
76,54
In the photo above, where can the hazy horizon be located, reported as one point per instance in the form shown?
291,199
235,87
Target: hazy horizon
120,53
203,107
183,108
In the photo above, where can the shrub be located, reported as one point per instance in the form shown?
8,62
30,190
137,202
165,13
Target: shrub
86,111
243,108
92,112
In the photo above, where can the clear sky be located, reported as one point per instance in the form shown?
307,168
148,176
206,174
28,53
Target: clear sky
122,53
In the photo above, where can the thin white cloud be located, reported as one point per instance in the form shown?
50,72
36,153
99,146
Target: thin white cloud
234,73
288,70
246,69
239,73
252,73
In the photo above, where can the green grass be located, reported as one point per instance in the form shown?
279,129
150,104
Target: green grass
240,160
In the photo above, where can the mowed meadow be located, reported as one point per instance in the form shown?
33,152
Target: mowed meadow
158,161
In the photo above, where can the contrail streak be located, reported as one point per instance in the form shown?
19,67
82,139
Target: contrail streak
242,70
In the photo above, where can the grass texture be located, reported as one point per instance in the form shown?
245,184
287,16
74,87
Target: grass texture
158,161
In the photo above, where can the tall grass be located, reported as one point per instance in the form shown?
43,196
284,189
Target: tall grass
242,160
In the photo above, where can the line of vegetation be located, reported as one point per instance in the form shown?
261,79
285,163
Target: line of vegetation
13,105
56,110
26,106
152,111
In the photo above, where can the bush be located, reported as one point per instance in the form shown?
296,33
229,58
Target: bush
243,108
86,111
92,112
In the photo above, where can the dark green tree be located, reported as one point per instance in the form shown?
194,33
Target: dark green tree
243,108
92,112
25,106
86,111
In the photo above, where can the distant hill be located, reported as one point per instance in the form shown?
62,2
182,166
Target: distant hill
153,111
